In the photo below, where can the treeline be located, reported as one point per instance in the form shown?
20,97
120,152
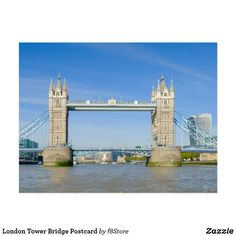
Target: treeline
184,156
190,155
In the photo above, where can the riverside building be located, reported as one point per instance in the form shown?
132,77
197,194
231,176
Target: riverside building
199,122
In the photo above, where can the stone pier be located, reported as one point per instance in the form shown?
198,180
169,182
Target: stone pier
165,156
57,156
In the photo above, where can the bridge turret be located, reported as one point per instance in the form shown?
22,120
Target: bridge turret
158,93
65,90
65,85
172,91
58,87
51,89
153,97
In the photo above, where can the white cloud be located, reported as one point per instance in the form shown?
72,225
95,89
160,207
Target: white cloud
137,52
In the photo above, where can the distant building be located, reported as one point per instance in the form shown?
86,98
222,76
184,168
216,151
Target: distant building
121,160
95,157
27,143
202,122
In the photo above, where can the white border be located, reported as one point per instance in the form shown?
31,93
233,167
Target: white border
119,21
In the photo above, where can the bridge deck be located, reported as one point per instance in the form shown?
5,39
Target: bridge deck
119,149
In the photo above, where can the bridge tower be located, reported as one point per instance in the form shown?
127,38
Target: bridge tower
58,153
163,116
58,115
163,150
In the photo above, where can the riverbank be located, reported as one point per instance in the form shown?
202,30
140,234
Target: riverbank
199,163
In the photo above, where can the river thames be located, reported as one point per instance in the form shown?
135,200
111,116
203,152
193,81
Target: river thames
98,178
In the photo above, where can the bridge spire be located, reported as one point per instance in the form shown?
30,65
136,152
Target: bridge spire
153,90
153,94
65,85
171,86
158,86
58,82
51,84
162,83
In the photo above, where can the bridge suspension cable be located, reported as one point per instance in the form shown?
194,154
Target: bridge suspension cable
29,129
199,135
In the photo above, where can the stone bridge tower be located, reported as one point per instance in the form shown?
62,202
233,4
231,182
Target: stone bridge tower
58,115
163,116
164,153
58,153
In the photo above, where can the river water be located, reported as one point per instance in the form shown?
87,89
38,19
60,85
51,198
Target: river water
96,178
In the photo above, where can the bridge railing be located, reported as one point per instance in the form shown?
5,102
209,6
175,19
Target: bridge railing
114,102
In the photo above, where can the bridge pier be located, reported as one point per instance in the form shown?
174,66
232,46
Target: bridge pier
57,156
165,156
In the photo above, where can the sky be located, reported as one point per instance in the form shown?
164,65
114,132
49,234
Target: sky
99,71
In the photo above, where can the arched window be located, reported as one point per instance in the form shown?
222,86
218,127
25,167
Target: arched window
57,102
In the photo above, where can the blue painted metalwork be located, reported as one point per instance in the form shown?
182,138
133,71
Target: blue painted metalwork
34,125
206,140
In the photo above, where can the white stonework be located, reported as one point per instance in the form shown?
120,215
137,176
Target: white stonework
58,114
163,116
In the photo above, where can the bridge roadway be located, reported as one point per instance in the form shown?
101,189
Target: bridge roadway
143,151
110,105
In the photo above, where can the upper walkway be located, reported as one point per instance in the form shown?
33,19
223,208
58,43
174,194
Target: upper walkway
110,105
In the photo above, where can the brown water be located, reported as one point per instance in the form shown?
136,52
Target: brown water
118,178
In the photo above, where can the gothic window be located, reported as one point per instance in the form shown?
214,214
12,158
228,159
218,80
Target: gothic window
57,102
165,94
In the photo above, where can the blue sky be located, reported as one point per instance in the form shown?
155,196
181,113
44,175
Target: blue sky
121,70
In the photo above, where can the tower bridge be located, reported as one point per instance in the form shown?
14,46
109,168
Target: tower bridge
161,106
